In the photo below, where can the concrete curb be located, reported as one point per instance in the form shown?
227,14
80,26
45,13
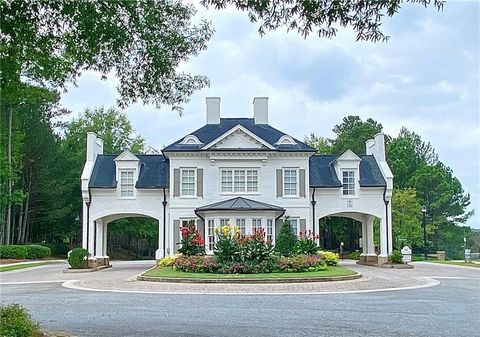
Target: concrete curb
89,270
250,280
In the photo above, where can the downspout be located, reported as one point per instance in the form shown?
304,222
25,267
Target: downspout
88,213
386,217
164,203
313,210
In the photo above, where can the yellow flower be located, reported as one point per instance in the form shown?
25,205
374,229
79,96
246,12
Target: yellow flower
237,229
217,230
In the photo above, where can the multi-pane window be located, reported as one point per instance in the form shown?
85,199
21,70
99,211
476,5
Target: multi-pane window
348,182
241,225
224,222
256,225
290,182
252,181
211,234
188,181
294,225
239,180
269,233
126,183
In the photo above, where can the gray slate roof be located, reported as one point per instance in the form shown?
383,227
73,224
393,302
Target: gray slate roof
322,172
239,204
210,132
153,172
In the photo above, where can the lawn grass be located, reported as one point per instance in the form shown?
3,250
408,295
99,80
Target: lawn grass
457,263
170,273
23,265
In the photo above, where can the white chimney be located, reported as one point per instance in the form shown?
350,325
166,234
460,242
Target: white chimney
376,147
94,146
260,110
213,110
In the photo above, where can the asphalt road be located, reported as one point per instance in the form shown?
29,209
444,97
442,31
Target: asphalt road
449,309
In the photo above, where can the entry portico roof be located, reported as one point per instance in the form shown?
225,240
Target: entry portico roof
240,204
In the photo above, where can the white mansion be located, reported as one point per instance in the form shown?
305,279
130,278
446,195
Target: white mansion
236,170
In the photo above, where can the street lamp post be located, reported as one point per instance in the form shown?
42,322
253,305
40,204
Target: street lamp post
424,225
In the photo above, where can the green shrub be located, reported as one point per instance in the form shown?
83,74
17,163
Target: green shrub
16,322
306,244
196,264
253,249
13,252
37,252
286,239
192,242
168,261
77,258
301,263
57,249
395,257
355,255
330,258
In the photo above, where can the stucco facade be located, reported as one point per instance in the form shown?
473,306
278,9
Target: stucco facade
242,170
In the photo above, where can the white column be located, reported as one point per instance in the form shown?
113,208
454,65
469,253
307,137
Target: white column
364,237
99,239
390,238
159,252
370,242
91,236
84,226
105,235
383,238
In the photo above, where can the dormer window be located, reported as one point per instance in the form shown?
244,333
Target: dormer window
286,140
191,139
126,183
348,181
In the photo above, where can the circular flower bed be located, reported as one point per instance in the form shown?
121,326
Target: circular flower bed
235,253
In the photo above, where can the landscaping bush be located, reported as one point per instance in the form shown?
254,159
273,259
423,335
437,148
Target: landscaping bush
253,249
192,242
395,257
16,322
57,249
77,258
306,243
13,252
301,263
196,264
168,261
330,258
226,248
286,239
355,255
37,252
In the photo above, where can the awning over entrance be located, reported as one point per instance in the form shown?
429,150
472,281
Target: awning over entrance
239,204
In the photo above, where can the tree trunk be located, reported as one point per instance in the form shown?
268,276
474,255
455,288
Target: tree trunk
20,225
8,223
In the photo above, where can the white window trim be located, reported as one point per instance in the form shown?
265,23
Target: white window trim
245,169
297,219
119,183
355,182
189,196
207,234
297,195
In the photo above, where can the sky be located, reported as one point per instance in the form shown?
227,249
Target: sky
426,78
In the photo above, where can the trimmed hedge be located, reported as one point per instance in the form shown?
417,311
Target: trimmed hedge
57,249
77,258
15,321
38,252
13,252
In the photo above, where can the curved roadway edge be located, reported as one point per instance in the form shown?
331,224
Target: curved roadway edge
251,280
429,283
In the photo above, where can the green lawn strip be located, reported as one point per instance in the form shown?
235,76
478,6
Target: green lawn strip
170,273
457,263
23,265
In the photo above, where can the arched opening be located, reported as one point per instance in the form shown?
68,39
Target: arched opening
132,238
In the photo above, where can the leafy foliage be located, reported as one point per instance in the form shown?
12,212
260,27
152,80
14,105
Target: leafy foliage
15,321
77,258
301,263
192,242
141,42
168,261
352,134
395,257
306,243
322,16
13,252
37,252
57,249
286,239
406,217
331,258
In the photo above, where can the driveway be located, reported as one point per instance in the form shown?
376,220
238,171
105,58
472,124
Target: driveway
449,309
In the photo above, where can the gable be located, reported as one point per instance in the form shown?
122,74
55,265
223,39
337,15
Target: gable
126,156
238,138
348,155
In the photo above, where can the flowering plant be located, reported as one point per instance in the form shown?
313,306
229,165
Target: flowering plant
168,261
192,242
330,258
306,243
226,246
